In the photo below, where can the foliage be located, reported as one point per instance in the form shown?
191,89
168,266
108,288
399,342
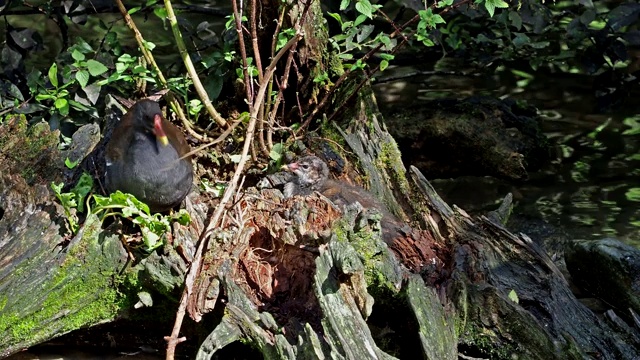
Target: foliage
152,226
74,199
525,36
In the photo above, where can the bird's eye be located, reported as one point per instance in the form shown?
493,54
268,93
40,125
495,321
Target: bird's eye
305,166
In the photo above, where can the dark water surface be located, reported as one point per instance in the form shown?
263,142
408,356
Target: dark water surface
587,191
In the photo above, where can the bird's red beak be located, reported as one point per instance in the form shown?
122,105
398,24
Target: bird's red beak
290,167
159,131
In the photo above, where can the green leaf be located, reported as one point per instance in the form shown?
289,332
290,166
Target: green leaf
386,56
61,103
633,194
71,164
359,20
96,68
516,20
82,188
161,13
149,45
77,55
634,125
182,217
41,97
276,152
150,238
383,65
126,58
513,296
344,4
364,7
53,74
335,16
491,8
133,10
83,78
57,188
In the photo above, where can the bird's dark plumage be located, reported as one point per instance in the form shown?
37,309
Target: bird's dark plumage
143,158
312,174
414,248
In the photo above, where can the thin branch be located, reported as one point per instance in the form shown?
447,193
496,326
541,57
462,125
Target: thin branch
348,72
175,105
243,52
254,40
194,269
202,93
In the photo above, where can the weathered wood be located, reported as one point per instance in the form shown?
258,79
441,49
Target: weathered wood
608,269
50,282
46,289
299,278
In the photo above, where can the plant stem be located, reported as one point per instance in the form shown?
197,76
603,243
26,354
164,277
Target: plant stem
202,93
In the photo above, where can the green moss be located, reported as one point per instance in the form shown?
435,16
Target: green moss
366,243
81,292
36,145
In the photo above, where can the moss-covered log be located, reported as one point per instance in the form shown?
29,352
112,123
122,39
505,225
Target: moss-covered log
52,282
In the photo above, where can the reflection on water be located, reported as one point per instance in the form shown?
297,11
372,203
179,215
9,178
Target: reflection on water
585,191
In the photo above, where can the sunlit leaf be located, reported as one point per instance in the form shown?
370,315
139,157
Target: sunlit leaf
83,78
53,74
365,8
96,68
77,55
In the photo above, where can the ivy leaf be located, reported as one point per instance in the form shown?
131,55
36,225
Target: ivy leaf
83,78
70,164
364,7
82,188
96,68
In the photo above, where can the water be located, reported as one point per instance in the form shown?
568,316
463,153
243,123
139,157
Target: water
586,190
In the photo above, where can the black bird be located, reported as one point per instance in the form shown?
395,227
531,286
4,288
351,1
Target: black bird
145,157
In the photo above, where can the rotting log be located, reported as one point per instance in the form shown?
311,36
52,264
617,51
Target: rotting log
51,282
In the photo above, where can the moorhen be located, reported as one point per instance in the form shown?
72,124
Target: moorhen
312,174
145,158
413,247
